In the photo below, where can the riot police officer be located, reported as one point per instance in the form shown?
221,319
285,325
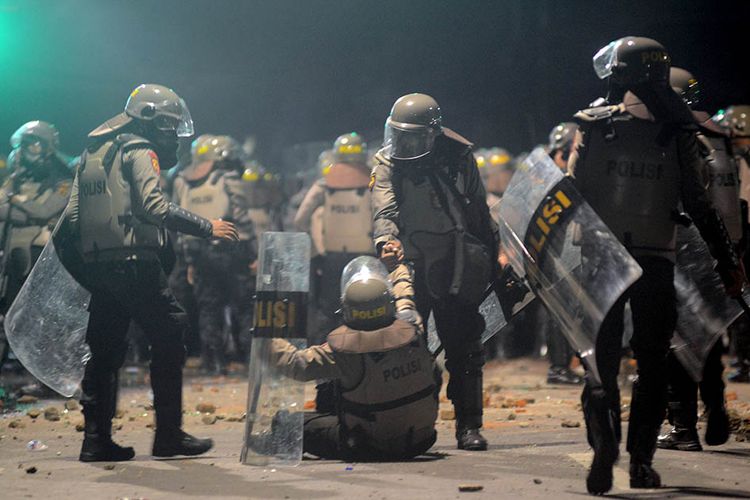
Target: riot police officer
116,224
385,380
560,353
32,197
736,119
638,159
430,209
220,271
345,218
723,189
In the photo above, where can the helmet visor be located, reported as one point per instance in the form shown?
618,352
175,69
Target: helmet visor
605,59
174,115
408,143
363,269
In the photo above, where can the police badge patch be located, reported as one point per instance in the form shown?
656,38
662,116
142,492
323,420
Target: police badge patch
154,162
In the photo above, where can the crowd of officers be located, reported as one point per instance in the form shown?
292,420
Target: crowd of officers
160,239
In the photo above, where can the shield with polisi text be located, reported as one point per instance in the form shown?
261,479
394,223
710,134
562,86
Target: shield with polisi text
568,257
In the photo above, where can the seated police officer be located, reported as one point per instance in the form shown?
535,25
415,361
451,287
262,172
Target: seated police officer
383,399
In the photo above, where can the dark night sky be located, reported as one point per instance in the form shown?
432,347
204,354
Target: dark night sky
504,71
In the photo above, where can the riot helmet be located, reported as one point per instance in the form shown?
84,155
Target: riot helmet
34,142
684,83
325,161
367,294
411,128
562,137
350,148
633,61
222,150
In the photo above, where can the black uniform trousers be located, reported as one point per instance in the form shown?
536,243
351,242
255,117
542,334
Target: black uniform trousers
120,292
683,390
654,308
459,327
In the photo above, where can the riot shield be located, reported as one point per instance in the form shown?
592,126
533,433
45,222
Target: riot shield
46,324
275,403
567,255
704,309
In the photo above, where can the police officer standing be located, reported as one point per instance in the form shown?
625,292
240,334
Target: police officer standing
736,119
346,217
32,197
117,220
220,271
638,159
385,380
430,209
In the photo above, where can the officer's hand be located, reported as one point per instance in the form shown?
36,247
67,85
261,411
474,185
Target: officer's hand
190,275
254,267
734,281
391,254
223,230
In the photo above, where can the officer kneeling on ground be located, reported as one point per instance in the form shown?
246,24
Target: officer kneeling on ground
383,398
114,235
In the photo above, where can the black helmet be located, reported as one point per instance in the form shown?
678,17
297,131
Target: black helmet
412,126
633,60
155,105
34,142
684,83
350,148
367,294
562,136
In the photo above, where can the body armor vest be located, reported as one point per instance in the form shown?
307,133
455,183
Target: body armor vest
108,218
723,182
394,405
347,221
632,181
209,199
421,211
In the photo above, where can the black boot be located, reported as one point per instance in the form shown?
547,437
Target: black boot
642,475
603,436
683,436
469,438
178,442
98,401
717,428
563,376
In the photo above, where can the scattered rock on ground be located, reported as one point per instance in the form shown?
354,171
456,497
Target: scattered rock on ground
71,405
31,470
447,414
16,424
205,408
80,426
570,424
33,412
27,399
466,488
209,419
52,413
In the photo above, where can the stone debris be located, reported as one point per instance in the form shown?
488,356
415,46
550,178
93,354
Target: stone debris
52,413
570,424
27,399
80,426
72,405
468,488
31,470
209,419
33,412
16,424
447,414
205,408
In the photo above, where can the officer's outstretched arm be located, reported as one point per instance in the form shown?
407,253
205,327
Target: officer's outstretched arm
385,210
315,362
153,204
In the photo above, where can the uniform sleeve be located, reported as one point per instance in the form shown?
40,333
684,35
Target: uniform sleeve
316,362
487,230
696,202
314,198
403,292
151,204
385,211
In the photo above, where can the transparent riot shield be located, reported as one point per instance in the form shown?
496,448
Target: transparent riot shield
567,255
275,403
704,311
46,324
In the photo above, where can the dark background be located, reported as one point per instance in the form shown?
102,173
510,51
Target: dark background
504,71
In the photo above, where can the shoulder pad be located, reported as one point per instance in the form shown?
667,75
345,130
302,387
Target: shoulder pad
132,140
455,136
382,158
596,114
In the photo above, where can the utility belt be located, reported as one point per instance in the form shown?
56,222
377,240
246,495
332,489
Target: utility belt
122,254
369,411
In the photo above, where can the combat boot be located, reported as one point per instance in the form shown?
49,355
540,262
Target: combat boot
97,442
470,439
717,427
683,435
561,375
178,442
642,475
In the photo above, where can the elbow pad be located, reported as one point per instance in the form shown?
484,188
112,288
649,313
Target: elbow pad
180,220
